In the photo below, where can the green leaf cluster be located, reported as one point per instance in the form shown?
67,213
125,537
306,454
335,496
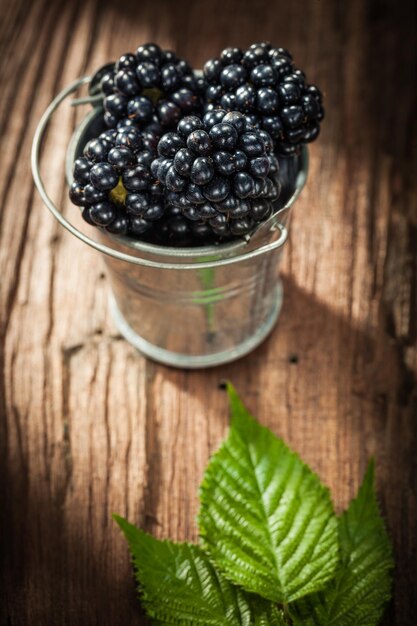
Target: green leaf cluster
272,551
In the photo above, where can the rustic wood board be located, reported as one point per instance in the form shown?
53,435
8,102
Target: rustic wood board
89,427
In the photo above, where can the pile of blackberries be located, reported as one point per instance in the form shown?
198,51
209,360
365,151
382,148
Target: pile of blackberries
191,160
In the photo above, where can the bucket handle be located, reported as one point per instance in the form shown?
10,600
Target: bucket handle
122,256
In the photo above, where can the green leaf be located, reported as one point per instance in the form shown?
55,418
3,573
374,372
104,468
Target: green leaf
269,616
363,582
179,585
265,517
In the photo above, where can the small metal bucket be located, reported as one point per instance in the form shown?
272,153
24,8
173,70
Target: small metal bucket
187,307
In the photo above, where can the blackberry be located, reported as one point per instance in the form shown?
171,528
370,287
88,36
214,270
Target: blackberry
219,172
263,83
174,229
114,184
153,84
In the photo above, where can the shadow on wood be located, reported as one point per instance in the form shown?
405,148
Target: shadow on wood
370,412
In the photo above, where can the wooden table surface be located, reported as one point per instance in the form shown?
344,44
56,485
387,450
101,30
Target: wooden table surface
90,427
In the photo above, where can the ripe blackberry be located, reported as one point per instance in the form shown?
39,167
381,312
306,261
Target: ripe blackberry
153,84
264,84
219,171
175,230
114,184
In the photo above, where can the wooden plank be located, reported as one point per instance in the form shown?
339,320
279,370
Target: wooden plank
88,426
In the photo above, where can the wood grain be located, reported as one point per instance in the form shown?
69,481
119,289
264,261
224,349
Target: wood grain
88,427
